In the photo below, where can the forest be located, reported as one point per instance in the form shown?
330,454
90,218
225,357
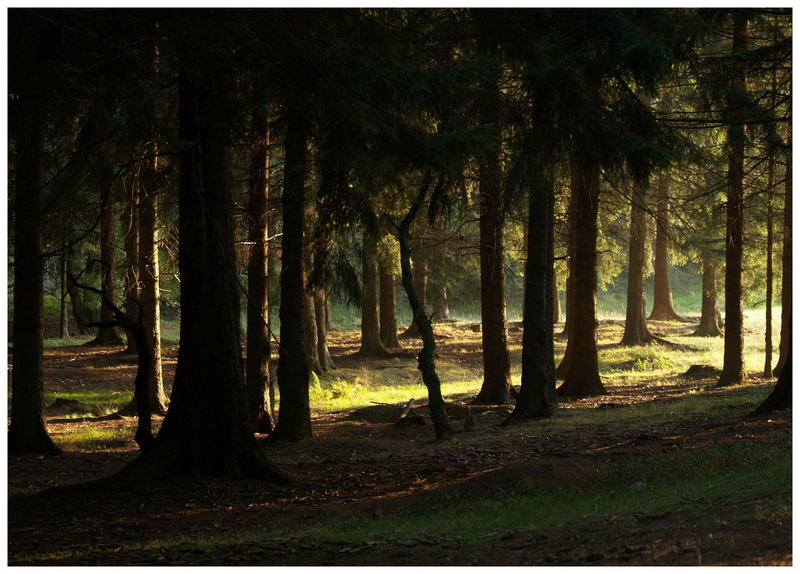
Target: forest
399,286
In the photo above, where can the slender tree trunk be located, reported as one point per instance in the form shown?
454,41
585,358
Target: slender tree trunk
496,387
130,223
149,280
786,280
388,309
733,361
63,317
536,396
636,331
663,308
768,298
709,314
294,420
207,429
426,361
371,345
556,299
259,347
583,376
28,430
563,367
309,310
321,316
438,276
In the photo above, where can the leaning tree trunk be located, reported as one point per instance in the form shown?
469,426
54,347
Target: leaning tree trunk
258,349
426,361
709,314
786,280
130,224
107,335
388,308
28,430
536,396
636,331
371,345
294,420
733,360
420,276
496,387
207,429
583,374
663,308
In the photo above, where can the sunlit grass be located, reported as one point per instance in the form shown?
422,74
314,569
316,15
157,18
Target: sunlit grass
94,438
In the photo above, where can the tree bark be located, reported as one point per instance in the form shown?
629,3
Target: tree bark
28,430
207,429
294,419
259,348
563,367
426,361
556,299
663,308
636,331
371,345
781,396
583,376
709,314
733,361
76,299
439,307
786,280
496,387
388,309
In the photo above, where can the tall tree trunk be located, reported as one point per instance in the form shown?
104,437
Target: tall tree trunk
426,360
439,307
496,387
130,225
309,310
63,316
636,331
709,314
371,345
207,429
321,316
28,430
583,376
259,348
786,280
107,335
563,367
537,390
733,361
388,308
663,308
294,419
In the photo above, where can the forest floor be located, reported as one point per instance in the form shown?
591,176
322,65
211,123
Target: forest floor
663,470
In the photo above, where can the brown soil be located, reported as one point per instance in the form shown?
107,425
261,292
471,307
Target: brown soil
357,469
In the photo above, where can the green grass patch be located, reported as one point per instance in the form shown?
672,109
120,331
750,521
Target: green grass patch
94,439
